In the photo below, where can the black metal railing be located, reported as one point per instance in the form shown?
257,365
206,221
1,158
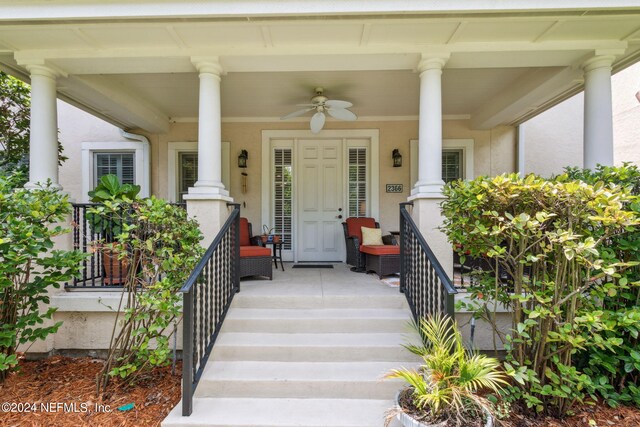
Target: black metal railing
424,282
95,272
207,295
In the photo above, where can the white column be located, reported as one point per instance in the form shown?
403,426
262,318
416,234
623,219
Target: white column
209,184
598,116
43,142
430,128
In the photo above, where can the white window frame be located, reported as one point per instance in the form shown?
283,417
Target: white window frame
173,167
466,145
140,151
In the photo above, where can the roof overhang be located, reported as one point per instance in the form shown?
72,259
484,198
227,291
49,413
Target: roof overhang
131,62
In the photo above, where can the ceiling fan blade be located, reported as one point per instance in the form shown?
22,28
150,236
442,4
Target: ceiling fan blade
342,114
306,105
335,103
317,122
296,113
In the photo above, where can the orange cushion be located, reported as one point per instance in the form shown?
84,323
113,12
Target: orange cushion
354,226
245,239
254,251
380,250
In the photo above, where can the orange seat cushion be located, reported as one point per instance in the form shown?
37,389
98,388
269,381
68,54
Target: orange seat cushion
254,251
354,226
380,249
245,239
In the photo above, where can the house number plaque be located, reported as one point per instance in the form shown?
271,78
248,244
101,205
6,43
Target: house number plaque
394,188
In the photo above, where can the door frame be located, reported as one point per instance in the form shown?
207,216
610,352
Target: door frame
271,138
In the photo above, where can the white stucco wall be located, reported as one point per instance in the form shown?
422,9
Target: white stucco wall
554,138
75,127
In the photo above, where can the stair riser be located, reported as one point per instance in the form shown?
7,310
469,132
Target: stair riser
315,325
299,389
259,301
312,354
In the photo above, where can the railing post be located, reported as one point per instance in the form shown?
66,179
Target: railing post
187,353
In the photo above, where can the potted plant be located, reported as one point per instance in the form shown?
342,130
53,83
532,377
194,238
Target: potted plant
104,222
268,235
445,390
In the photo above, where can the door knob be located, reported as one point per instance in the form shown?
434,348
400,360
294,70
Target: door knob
339,209
339,216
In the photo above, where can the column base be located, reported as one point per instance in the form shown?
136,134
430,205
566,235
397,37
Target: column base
208,193
427,190
427,215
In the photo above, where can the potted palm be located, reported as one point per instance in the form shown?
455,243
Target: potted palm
106,221
445,389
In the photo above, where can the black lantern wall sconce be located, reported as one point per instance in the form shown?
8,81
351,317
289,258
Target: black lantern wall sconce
397,158
242,159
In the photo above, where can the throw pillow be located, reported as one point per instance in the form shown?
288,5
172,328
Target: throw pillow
371,236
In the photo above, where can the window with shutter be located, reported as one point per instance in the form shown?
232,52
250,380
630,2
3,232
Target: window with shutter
357,182
121,165
283,206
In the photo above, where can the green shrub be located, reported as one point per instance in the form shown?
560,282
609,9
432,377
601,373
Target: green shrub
162,247
615,367
546,241
29,221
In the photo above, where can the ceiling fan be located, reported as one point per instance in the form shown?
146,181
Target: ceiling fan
321,104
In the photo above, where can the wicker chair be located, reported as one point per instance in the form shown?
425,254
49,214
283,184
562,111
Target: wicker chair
353,240
255,259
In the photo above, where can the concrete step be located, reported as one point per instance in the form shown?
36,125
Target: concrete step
320,301
320,347
316,320
251,412
346,380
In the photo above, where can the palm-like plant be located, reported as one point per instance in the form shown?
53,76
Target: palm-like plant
446,385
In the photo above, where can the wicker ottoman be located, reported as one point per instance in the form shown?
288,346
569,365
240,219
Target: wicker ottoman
255,261
383,259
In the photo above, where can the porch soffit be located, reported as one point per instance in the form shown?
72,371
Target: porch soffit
139,75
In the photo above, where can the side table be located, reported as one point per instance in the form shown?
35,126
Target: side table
277,252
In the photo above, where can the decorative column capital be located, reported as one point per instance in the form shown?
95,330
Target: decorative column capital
431,61
208,65
600,61
43,70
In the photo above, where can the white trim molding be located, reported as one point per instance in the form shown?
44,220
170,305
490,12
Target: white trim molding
466,145
142,163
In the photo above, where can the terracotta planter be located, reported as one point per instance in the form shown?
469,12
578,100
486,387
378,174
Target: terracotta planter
274,238
408,421
115,270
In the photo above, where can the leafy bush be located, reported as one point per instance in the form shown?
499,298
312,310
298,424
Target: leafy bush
29,221
446,385
546,241
615,368
162,247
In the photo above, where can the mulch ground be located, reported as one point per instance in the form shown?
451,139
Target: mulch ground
60,391
601,414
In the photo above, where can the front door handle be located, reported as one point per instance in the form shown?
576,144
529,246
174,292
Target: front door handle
339,216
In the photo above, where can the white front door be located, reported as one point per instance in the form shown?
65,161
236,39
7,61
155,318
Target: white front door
319,200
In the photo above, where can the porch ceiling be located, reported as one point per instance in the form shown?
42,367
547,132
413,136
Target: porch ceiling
137,73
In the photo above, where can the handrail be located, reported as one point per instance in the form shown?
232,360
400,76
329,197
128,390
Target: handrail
207,296
424,282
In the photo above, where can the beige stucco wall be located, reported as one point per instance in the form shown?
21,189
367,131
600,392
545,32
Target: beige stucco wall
494,154
554,138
